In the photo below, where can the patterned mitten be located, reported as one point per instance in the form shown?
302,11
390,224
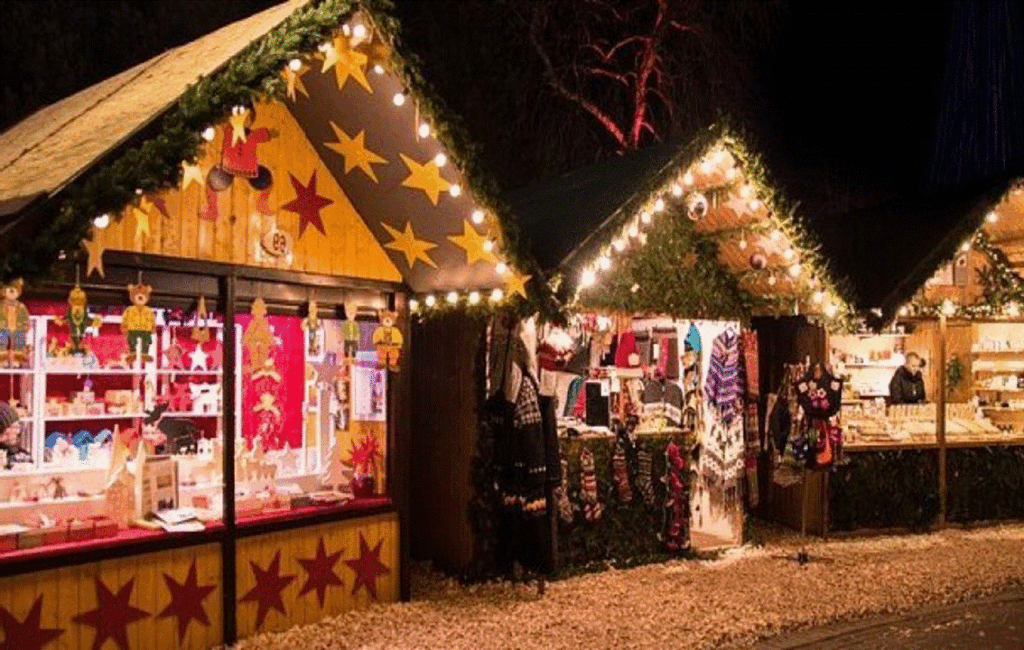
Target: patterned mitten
621,473
644,480
562,495
592,506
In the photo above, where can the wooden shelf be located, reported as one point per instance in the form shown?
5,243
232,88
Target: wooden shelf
999,390
871,365
127,416
122,371
1004,353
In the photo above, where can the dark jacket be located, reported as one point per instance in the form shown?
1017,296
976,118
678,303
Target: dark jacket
906,388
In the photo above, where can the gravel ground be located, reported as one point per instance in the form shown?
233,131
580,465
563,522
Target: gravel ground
732,601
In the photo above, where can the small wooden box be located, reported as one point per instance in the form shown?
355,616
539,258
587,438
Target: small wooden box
105,527
81,531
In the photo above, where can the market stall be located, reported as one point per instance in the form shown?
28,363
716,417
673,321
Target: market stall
956,454
204,366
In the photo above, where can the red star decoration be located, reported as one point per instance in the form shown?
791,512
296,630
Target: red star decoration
187,601
26,635
112,615
267,592
307,204
321,572
367,567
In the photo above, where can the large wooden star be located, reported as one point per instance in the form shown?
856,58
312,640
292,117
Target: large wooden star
112,616
426,177
367,567
355,152
94,247
191,173
405,242
307,204
517,283
320,570
237,121
27,634
187,601
346,63
267,592
293,82
473,243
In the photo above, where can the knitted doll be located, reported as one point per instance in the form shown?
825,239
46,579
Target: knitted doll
138,321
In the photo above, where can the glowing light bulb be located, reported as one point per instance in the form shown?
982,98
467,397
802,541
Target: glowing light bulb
440,159
295,65
378,68
948,307
477,216
966,246
414,304
604,262
101,221
831,310
488,245
743,244
209,133
452,297
745,191
633,230
687,178
1013,310
992,217
818,296
588,278
794,270
424,130
659,205
772,280
634,288
431,300
398,99
904,310
359,31
789,254
645,217
501,268
619,245
677,190
754,204
730,173
775,235
455,190
643,239
497,295
474,297
346,30
705,167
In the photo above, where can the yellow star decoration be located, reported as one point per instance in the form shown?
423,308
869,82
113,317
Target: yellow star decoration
517,283
346,63
238,126
141,222
94,248
473,243
407,244
426,177
293,81
355,152
191,174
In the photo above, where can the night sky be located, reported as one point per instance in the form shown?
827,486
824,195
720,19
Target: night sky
849,101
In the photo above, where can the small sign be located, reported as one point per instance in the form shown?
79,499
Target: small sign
277,243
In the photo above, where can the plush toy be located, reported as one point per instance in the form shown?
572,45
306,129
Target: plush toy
138,321
388,341
78,320
14,325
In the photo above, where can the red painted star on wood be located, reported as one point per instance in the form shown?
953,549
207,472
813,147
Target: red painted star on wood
267,592
187,601
321,572
26,635
307,204
367,567
112,615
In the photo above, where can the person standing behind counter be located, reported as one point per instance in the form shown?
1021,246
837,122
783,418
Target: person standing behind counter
907,383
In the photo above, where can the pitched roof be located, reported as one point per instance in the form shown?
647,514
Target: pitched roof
53,145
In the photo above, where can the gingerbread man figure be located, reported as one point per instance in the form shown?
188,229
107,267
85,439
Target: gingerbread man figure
258,338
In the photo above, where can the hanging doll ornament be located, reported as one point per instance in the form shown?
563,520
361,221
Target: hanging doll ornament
258,338
239,158
138,321
78,320
388,341
14,326
312,326
350,331
697,207
758,261
592,506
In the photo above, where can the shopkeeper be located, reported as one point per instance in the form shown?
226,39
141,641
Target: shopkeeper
10,424
907,384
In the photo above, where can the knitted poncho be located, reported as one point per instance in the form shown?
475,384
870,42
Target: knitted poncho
724,385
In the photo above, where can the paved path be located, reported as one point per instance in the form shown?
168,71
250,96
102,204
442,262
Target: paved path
994,623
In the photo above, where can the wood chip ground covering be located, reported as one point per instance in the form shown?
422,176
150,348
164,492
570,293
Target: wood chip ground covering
733,601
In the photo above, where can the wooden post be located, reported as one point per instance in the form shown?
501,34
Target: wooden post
228,546
940,420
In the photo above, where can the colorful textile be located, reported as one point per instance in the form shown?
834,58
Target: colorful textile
723,386
748,343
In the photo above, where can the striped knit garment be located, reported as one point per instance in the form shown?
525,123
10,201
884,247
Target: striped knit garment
723,386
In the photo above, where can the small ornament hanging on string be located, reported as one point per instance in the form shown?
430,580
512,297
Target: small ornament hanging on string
758,261
388,340
697,207
201,326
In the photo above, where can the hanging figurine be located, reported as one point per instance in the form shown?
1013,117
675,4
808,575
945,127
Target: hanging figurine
258,337
138,321
14,326
200,327
388,341
312,326
78,320
350,331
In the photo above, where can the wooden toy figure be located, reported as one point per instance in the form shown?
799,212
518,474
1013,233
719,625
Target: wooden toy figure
312,326
13,325
388,341
258,337
350,332
78,319
138,321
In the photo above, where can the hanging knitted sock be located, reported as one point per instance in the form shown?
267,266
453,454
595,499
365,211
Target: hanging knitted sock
644,481
211,212
562,494
592,506
621,473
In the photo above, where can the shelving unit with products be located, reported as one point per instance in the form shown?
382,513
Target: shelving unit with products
997,373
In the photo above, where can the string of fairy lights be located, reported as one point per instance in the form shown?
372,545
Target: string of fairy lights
716,173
